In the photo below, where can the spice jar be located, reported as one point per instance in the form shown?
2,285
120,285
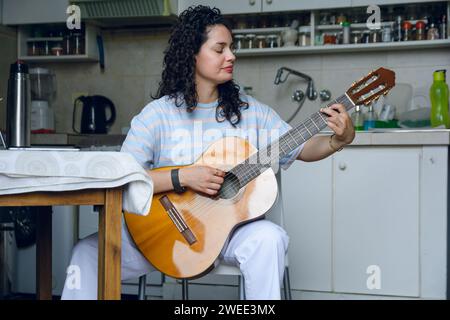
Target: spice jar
375,36
407,31
387,34
67,44
433,32
304,38
261,41
250,40
57,49
356,37
272,41
33,48
329,38
78,43
239,41
420,30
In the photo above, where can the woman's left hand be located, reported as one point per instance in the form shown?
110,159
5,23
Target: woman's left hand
340,122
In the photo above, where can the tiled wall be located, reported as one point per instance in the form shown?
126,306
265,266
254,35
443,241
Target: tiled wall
134,63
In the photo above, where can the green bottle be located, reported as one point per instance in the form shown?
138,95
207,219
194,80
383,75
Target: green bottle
358,119
439,100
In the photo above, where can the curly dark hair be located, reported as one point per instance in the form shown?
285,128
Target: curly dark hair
178,76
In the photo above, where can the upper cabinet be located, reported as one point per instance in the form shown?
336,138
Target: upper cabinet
257,6
288,5
363,3
32,11
226,7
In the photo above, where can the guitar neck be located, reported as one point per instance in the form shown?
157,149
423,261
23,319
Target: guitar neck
270,155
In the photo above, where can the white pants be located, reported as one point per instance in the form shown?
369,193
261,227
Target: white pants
258,248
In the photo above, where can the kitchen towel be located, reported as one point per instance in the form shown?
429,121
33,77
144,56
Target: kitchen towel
31,171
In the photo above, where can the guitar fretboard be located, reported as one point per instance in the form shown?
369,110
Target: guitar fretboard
270,155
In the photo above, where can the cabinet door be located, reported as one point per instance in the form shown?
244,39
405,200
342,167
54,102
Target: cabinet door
226,7
307,189
32,11
362,3
376,221
287,5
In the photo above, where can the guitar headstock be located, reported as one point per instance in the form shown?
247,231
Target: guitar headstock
377,83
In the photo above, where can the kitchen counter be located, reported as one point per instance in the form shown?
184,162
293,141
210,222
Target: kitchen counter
397,137
363,138
78,140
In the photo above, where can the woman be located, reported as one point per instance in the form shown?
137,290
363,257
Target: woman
197,103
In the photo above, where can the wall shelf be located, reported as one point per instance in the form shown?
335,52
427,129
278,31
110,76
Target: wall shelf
381,46
90,46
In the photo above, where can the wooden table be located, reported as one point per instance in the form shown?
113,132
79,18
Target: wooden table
109,235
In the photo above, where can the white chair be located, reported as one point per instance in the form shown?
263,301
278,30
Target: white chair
275,215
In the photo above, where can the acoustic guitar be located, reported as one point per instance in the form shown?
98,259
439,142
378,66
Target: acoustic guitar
183,234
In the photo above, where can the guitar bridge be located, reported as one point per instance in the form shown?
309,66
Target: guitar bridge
178,220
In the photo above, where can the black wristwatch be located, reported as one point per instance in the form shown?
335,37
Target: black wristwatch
176,181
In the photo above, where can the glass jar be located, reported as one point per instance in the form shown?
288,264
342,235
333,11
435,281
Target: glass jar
407,31
356,37
78,43
33,48
329,38
304,37
272,41
57,49
433,32
250,40
45,51
375,36
387,34
239,41
260,41
67,44
420,30
365,38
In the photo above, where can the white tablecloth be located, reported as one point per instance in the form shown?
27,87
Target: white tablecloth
29,171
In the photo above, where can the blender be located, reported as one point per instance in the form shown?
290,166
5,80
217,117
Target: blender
43,92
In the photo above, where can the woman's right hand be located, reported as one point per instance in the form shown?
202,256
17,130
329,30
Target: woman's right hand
202,179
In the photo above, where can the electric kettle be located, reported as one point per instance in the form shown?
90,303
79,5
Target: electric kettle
93,114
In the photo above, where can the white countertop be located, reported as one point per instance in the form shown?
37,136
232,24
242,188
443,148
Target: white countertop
401,137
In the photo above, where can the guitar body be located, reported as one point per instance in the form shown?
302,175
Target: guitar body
210,221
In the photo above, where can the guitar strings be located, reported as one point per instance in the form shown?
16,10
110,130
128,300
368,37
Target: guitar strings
206,202
298,132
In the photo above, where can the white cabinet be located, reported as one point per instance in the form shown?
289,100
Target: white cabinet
363,3
33,11
226,7
376,221
257,6
307,199
369,220
288,5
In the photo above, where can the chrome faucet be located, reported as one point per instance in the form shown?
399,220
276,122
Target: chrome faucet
311,93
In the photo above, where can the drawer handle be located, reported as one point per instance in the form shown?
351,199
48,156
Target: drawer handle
252,2
342,166
269,1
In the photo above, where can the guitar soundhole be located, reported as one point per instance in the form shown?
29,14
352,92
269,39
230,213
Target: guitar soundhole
230,186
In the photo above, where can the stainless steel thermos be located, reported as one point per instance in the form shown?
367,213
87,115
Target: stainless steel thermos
18,112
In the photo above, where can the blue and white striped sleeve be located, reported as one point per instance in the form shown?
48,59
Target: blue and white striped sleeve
141,142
